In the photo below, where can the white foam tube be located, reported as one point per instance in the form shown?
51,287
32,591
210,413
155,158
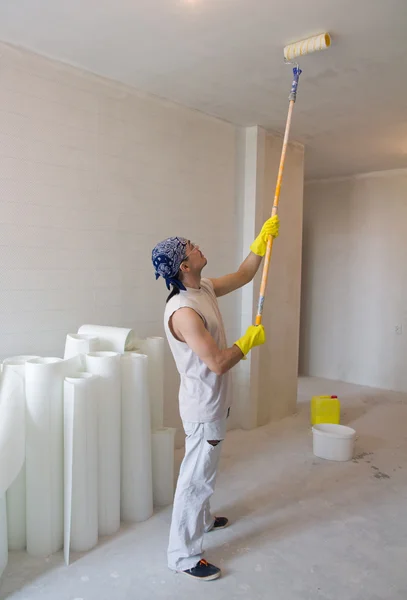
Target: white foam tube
80,463
12,427
80,343
44,381
3,534
163,466
311,44
107,366
16,513
114,339
17,363
15,496
136,475
154,348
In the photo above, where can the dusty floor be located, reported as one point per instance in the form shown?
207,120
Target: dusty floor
302,528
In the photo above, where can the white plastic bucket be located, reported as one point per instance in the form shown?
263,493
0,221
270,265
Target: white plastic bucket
333,442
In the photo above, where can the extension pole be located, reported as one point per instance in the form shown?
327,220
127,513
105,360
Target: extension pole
292,97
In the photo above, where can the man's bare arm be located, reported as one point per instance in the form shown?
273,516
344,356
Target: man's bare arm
245,273
249,267
188,327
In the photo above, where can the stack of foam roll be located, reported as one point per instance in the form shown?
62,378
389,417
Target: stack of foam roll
82,442
163,438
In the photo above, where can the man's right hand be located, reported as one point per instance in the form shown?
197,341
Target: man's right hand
254,336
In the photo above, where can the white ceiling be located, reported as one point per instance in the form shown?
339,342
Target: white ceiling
224,57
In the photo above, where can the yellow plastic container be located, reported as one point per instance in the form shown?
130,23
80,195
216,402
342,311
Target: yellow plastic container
325,409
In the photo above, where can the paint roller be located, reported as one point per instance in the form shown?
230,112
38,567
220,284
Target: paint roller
312,44
291,52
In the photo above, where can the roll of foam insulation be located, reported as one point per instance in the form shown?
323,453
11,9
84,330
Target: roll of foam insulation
3,534
163,466
44,380
80,343
107,365
81,394
136,475
17,363
114,339
154,348
16,513
15,496
12,427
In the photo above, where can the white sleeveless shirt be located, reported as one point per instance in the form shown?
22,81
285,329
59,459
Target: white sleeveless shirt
203,395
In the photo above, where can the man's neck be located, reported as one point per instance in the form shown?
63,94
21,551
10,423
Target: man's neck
192,282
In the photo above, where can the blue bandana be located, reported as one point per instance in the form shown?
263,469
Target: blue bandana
167,257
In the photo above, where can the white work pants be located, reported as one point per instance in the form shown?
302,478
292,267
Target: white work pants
191,516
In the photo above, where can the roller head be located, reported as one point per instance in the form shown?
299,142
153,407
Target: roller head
312,44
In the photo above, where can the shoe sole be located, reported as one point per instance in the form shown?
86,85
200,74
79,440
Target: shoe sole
218,528
208,578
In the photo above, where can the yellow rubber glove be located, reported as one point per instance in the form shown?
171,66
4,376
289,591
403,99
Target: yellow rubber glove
254,336
270,227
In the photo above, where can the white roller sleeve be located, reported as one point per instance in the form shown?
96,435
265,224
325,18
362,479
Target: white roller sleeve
15,496
45,452
163,466
3,535
114,339
81,394
12,427
108,366
154,348
307,46
80,343
136,478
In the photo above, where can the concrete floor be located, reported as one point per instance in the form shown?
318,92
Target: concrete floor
302,528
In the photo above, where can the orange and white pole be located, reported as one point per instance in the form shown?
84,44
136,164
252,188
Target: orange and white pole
267,258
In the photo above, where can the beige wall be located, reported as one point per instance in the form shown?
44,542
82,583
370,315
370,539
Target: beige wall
92,175
279,360
355,280
268,379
